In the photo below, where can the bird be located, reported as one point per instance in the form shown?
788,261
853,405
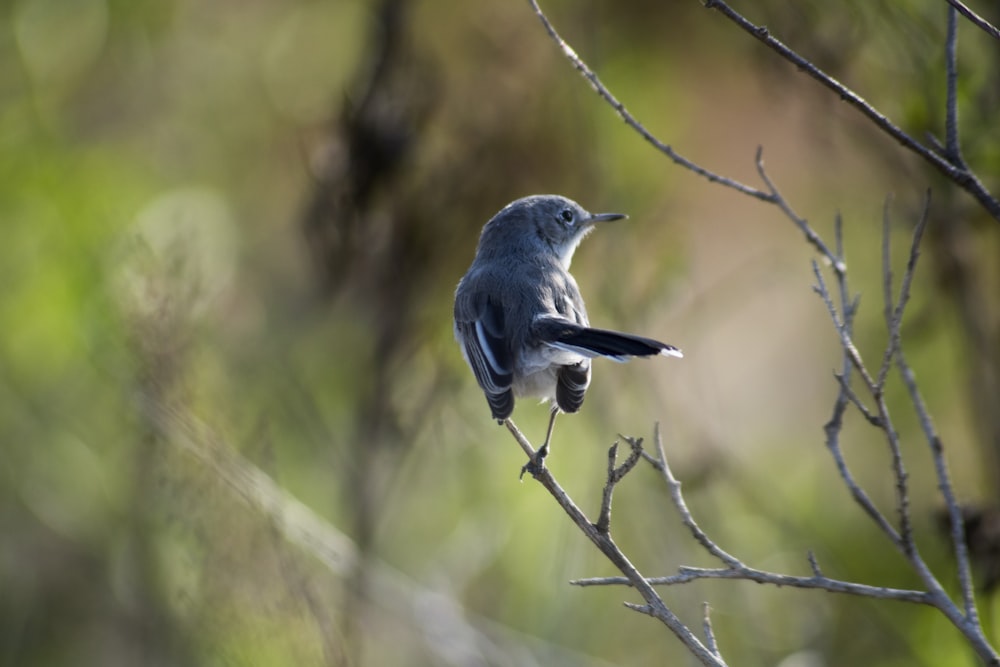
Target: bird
520,320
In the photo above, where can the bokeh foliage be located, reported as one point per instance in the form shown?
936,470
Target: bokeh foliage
161,165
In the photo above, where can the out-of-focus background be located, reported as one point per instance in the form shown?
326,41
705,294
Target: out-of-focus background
230,237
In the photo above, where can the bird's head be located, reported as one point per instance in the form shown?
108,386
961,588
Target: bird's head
557,222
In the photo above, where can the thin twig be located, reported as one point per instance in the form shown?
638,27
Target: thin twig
519,437
930,433
631,121
911,265
965,179
846,342
892,316
616,475
706,627
604,517
887,297
811,236
677,498
856,401
688,574
967,622
814,564
833,427
976,19
953,151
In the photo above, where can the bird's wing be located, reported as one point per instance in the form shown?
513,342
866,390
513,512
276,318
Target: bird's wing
479,326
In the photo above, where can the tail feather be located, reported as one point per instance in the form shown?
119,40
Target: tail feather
600,342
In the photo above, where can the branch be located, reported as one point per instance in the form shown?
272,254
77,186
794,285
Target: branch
965,179
811,236
631,121
706,627
927,426
677,497
976,19
966,621
737,570
616,475
654,606
953,150
688,574
947,159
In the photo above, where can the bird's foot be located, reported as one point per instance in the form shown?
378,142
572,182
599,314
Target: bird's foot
536,465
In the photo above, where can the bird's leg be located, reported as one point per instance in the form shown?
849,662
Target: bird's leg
535,465
543,451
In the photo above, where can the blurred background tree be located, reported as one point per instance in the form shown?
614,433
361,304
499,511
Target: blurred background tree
253,215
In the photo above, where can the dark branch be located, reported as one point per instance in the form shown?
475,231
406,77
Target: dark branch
677,497
811,236
654,606
688,574
616,475
953,150
965,179
976,19
631,121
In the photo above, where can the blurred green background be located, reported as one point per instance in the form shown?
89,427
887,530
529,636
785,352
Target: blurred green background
231,233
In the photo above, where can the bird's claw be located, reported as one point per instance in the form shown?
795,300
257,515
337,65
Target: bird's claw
537,464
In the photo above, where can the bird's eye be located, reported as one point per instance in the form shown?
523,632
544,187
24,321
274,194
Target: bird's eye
566,215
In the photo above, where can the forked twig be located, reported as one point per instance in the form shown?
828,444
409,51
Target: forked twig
654,605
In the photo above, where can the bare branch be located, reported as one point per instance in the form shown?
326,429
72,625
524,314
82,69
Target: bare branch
887,298
967,622
930,433
811,236
706,627
604,517
641,608
678,499
654,606
945,158
976,19
833,427
953,151
965,179
845,336
688,574
856,401
631,121
616,475
911,265
519,437
814,564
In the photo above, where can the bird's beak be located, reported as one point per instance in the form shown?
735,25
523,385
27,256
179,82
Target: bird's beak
607,217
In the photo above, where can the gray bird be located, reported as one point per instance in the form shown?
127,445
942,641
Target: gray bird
519,316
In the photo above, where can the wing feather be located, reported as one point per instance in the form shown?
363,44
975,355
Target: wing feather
479,328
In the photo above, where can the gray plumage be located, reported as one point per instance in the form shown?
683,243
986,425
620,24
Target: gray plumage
519,316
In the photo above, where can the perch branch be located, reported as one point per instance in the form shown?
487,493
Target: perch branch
654,606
